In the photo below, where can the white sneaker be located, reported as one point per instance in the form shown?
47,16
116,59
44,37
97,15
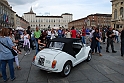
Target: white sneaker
26,53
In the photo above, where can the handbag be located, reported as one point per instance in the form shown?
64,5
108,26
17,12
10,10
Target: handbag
13,52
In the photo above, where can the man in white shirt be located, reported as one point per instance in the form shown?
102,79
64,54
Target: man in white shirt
116,36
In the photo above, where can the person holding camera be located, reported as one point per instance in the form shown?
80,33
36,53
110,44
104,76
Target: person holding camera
110,39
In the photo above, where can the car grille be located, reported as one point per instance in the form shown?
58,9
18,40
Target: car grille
41,61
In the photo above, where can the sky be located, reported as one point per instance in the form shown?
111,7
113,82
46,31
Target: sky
79,8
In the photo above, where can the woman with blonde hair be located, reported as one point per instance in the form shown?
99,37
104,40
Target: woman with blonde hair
6,55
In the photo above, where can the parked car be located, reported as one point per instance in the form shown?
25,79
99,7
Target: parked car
61,55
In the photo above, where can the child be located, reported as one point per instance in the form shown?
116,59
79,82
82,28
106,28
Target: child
26,43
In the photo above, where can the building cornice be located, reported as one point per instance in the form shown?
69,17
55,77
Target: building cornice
51,16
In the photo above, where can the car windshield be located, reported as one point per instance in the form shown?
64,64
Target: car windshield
56,45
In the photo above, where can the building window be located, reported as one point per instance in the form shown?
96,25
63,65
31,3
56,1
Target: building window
51,20
121,11
115,14
46,20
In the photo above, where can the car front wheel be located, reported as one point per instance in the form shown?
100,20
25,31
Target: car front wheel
66,69
89,56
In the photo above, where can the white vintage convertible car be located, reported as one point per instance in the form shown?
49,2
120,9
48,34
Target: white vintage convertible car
61,55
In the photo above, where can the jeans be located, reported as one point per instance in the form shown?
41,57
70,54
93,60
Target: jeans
98,46
110,42
36,43
0,67
116,38
11,68
83,39
59,36
87,39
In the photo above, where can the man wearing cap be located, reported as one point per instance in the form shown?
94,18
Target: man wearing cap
110,34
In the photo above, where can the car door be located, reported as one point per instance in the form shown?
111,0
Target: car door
80,56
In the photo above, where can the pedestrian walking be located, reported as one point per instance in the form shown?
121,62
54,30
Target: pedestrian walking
91,33
83,35
12,37
87,35
67,33
116,36
48,35
37,34
98,36
26,43
6,55
52,34
110,39
73,32
122,42
41,42
95,43
60,33
29,32
104,35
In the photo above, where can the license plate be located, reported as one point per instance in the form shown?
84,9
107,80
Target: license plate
41,61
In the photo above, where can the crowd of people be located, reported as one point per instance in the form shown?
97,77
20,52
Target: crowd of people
39,39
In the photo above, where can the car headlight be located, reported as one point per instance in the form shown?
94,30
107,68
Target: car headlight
54,63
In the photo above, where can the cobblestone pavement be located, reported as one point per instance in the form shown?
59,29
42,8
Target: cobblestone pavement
108,68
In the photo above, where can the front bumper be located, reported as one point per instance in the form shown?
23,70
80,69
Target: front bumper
45,68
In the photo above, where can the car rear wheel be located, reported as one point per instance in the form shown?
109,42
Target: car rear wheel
89,56
66,69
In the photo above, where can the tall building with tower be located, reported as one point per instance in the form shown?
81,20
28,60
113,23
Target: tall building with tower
44,22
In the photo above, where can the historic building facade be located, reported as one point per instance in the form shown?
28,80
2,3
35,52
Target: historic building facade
6,14
97,20
20,22
47,21
117,14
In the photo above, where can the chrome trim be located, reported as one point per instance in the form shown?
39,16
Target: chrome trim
44,68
